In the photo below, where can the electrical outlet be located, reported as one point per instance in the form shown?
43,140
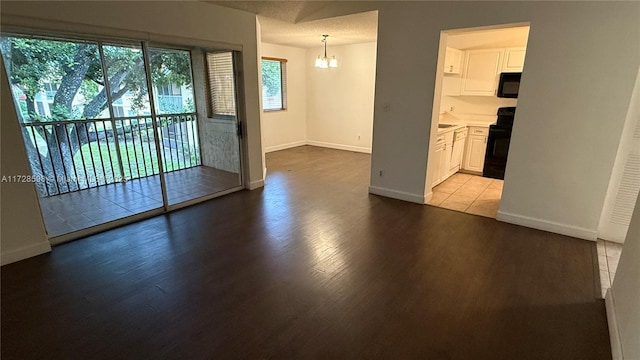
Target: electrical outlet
380,172
358,136
452,108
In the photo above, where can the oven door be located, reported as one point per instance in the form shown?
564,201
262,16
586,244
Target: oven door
495,159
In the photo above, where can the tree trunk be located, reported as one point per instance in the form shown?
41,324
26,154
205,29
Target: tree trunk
39,168
71,138
71,81
99,103
31,108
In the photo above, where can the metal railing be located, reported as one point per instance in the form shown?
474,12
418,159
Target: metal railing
72,155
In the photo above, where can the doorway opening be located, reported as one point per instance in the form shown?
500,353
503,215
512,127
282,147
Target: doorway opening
309,109
474,109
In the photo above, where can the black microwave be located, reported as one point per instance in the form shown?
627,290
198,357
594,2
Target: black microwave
509,85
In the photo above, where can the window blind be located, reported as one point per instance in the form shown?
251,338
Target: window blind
222,91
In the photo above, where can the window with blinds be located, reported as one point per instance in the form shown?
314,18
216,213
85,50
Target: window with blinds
222,90
274,84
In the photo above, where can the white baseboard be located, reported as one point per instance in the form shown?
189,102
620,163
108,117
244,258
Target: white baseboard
614,333
255,184
319,144
22,253
394,194
546,225
339,146
616,236
428,196
285,146
471,172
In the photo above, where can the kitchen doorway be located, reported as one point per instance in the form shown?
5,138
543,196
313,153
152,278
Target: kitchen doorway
474,110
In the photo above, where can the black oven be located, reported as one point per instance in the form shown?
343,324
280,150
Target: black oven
509,85
495,159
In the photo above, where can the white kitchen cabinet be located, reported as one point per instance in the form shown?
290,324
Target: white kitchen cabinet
480,73
451,84
442,157
513,60
438,157
459,141
475,149
453,60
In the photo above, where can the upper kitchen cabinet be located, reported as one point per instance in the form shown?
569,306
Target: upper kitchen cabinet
453,60
451,85
513,59
480,71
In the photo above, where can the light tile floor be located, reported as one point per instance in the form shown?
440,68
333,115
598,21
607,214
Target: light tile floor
469,193
78,210
608,257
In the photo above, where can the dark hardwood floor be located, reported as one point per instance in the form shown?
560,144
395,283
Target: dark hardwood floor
310,267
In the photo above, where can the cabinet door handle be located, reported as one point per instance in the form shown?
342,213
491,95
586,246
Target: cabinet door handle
485,140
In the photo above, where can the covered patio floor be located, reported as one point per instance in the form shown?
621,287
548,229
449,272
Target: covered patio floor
82,209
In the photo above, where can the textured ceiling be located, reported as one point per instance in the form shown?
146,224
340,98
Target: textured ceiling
283,22
289,11
343,30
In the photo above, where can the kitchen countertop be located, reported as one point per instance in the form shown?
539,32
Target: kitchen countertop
460,120
481,120
449,129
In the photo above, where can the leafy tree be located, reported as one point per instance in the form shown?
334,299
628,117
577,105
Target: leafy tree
76,68
271,76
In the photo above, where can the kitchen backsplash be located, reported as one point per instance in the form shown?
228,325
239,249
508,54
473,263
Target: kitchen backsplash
487,105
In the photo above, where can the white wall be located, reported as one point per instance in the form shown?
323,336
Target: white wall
573,101
22,232
487,105
623,299
326,107
340,100
288,128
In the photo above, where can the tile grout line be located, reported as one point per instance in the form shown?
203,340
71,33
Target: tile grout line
461,188
476,198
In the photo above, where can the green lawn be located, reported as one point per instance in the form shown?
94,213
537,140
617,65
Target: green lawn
139,159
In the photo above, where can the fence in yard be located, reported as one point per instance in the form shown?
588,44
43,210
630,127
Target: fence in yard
73,155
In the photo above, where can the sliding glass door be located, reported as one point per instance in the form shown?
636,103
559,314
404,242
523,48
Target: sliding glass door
220,130
113,130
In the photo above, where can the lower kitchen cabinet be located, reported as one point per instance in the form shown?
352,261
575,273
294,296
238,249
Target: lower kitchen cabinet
442,157
475,149
459,142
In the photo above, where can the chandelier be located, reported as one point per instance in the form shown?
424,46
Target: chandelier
324,62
